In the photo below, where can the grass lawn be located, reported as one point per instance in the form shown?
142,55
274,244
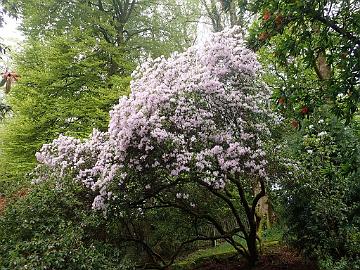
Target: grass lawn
275,255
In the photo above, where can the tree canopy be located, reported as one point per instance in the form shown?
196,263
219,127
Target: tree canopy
315,53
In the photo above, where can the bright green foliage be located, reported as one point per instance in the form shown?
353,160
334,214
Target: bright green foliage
124,29
63,90
65,86
314,49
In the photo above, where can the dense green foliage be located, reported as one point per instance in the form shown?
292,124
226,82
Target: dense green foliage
54,228
311,51
314,48
322,200
58,93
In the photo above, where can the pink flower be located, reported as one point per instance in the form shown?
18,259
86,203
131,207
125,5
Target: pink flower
203,112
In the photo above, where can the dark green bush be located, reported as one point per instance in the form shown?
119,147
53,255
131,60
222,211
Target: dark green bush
322,202
54,228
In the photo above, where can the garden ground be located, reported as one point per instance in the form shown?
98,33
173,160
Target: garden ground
275,256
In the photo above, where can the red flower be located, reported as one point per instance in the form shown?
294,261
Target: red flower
8,74
281,101
266,15
278,20
7,79
263,36
304,110
294,123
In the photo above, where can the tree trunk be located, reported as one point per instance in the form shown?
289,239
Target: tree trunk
263,210
253,254
322,68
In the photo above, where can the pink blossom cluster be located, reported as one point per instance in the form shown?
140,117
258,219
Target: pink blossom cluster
203,112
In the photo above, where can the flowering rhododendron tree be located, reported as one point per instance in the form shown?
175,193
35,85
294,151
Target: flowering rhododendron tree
190,136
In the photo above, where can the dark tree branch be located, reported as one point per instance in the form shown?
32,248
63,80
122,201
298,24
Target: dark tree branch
154,193
154,255
333,25
129,9
227,236
105,34
244,202
134,33
228,202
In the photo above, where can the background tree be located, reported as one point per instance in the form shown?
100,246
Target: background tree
76,64
228,13
124,28
310,49
317,40
313,50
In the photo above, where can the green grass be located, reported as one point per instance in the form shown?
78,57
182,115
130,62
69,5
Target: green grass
274,234
220,252
224,251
